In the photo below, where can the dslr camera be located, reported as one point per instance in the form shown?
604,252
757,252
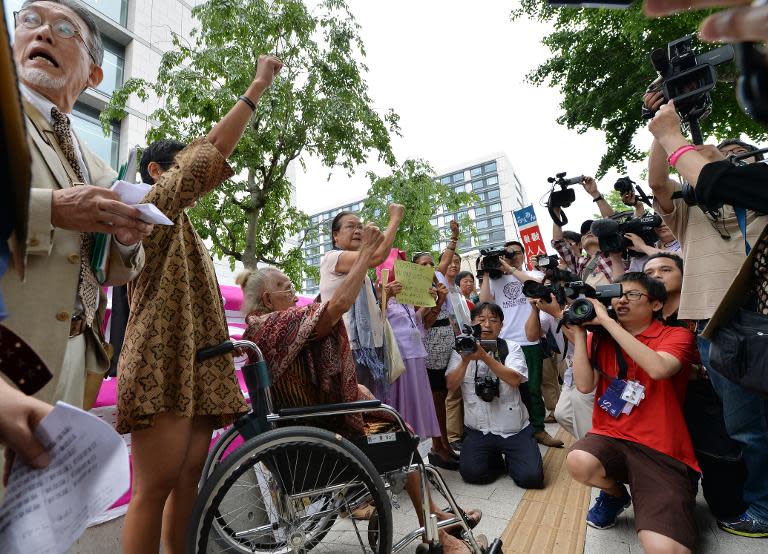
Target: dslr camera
490,258
582,310
610,233
562,198
688,78
549,265
466,342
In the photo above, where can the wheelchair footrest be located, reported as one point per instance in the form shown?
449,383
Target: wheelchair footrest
389,451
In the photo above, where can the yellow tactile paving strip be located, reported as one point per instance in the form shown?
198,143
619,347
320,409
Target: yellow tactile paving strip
551,519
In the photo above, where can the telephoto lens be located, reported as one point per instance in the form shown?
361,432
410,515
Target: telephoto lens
579,312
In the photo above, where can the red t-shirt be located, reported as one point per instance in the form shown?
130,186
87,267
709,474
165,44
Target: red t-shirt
657,422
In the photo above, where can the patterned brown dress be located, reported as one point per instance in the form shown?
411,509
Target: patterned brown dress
176,309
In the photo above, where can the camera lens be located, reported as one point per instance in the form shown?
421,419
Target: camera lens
581,309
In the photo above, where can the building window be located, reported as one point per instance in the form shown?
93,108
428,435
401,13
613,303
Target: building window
492,180
493,194
497,235
475,171
482,238
476,185
497,221
482,224
446,180
489,167
113,66
480,210
116,10
458,188
458,177
87,126
495,207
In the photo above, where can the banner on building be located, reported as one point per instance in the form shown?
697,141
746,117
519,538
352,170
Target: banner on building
530,235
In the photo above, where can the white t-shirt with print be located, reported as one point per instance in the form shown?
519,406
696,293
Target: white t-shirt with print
507,291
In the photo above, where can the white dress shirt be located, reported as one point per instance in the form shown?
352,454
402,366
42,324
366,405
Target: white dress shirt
506,414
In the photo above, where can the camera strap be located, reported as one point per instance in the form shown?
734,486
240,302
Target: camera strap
559,221
623,368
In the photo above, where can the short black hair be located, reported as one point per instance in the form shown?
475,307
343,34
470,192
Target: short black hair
481,307
162,152
655,288
668,255
417,255
572,236
586,226
97,44
461,274
517,242
336,225
745,145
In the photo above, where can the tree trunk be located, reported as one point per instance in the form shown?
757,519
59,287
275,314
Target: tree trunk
249,255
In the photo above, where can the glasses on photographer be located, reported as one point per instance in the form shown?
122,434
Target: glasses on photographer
633,295
63,28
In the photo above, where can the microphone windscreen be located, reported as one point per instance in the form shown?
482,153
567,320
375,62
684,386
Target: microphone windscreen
660,61
604,227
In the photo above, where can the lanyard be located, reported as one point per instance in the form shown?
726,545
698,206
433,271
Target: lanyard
623,369
741,217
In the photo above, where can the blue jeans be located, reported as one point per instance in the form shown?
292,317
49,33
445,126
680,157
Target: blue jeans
746,420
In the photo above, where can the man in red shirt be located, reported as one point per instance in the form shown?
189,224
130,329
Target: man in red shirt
639,370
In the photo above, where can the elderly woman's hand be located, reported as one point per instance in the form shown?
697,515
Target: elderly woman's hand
371,239
267,69
394,288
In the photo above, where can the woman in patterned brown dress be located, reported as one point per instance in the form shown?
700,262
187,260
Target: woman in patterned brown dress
169,402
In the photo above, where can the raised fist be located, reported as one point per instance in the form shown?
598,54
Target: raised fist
266,70
396,212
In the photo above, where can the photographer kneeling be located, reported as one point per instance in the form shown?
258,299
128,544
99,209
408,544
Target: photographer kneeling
639,371
498,435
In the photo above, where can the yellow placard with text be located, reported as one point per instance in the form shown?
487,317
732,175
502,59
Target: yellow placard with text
416,281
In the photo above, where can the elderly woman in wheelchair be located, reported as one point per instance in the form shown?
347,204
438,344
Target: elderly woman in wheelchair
300,485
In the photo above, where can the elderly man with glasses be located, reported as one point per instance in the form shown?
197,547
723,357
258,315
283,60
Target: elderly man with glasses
57,308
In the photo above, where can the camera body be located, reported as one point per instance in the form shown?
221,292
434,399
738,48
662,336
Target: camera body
582,310
624,185
487,388
562,198
688,78
490,258
466,342
610,233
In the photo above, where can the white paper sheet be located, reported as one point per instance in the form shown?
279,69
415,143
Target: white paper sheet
151,214
132,194
45,511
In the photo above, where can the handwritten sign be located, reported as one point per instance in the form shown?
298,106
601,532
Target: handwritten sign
416,280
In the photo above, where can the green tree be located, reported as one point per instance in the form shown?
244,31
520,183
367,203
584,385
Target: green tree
414,186
318,105
601,63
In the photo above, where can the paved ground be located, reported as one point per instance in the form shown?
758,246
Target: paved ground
498,502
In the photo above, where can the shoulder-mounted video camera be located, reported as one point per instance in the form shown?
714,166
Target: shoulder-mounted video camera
688,78
562,198
610,232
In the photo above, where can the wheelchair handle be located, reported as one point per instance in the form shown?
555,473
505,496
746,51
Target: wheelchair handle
226,347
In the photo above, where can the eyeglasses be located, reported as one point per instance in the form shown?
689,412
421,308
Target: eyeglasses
633,295
64,28
354,226
291,291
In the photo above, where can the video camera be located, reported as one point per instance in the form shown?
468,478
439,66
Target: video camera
490,259
610,233
625,185
582,310
687,79
562,198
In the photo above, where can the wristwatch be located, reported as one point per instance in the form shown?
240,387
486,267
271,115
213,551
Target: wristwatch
598,198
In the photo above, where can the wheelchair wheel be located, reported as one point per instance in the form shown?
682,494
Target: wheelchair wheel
281,492
216,454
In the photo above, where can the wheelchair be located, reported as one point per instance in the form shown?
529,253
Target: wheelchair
270,488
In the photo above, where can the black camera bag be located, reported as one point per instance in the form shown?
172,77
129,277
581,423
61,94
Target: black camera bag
739,351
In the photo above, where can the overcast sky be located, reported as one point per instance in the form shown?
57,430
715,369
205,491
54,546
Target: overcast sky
455,73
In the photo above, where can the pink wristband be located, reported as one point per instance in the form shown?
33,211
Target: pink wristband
679,152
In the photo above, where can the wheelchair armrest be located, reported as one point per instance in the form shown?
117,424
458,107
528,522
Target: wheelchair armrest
325,408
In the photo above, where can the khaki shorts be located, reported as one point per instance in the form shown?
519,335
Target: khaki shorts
663,489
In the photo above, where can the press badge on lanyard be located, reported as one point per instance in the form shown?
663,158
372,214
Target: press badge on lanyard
621,397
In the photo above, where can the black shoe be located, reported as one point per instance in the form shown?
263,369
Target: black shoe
456,445
745,526
438,461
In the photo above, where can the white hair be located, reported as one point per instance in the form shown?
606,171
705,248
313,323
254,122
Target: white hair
255,282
